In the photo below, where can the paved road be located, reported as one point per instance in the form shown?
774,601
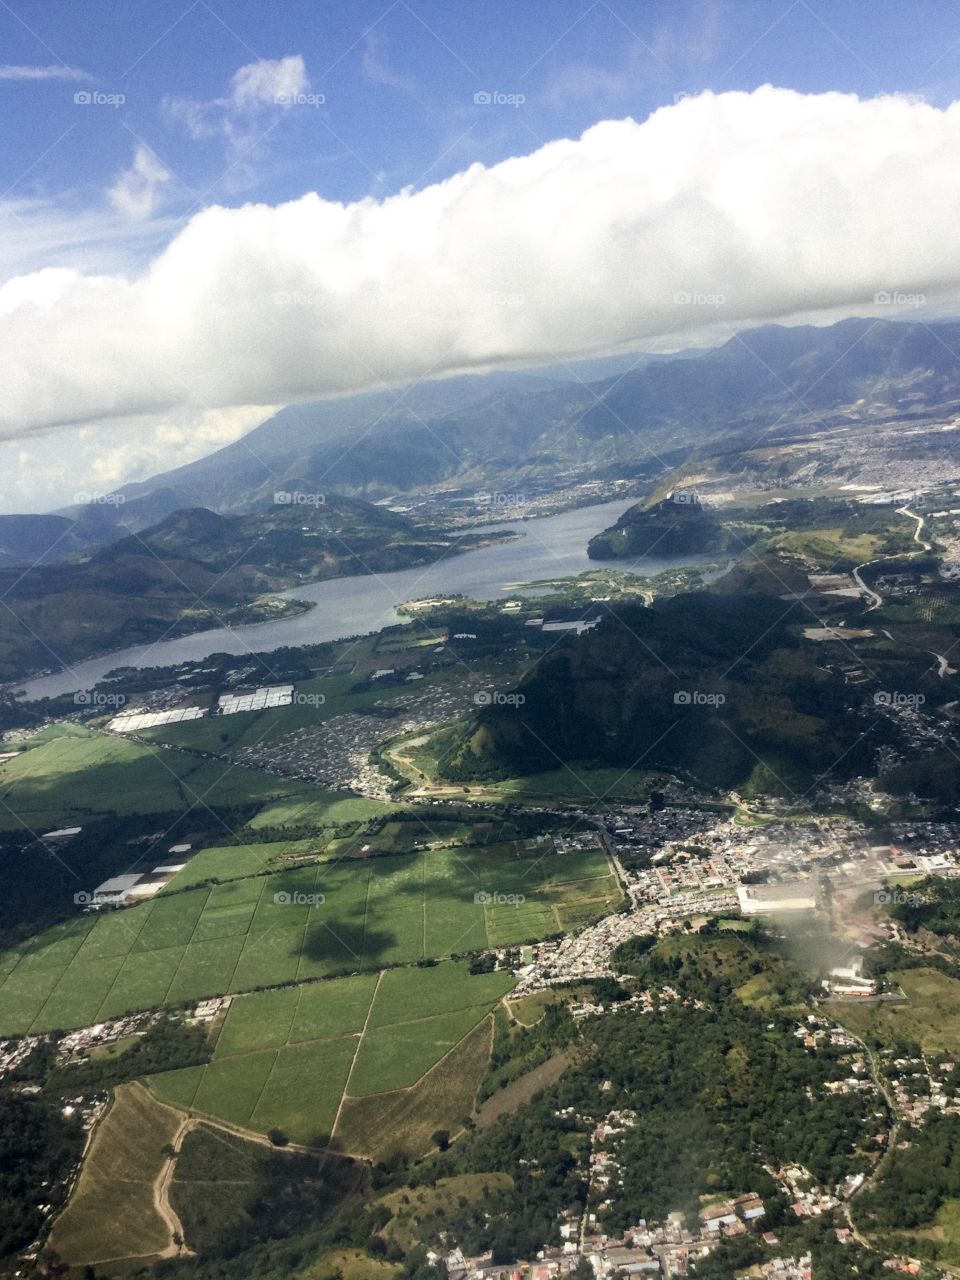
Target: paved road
905,511
876,600
892,1138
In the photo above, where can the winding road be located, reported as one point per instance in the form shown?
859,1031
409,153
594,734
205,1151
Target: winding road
892,1137
161,1195
905,511
876,600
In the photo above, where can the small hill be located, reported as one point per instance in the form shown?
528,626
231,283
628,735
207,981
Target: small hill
715,687
29,539
679,525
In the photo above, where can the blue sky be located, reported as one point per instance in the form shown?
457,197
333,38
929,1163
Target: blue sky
398,82
124,121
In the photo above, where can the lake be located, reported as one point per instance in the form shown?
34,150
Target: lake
550,547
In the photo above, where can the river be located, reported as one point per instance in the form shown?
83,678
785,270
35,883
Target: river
550,547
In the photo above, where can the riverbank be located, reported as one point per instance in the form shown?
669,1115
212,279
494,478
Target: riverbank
548,547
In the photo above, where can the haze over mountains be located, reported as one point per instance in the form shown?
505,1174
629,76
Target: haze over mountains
213,530
305,495
511,430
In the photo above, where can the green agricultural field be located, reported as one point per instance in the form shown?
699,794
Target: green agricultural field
404,1120
315,921
258,1021
285,1058
333,1008
75,773
407,994
178,1088
56,947
236,862
268,958
320,808
230,1088
395,1057
303,1092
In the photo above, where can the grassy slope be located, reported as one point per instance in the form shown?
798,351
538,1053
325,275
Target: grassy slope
931,1016
111,1213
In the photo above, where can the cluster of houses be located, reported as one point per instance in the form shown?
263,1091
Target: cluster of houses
644,1001
918,842
819,1033
705,864
808,1200
671,1247
335,752
923,1088
74,1045
787,1268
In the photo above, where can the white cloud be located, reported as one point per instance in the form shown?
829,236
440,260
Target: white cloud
49,470
59,71
135,192
583,81
275,83
37,233
377,66
254,89
779,202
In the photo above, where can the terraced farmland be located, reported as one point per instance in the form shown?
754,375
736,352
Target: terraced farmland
285,1059
317,921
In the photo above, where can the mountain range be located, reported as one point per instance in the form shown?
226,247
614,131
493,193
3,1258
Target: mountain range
501,432
515,430
132,566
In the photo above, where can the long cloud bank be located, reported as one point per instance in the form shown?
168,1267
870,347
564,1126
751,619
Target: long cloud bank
736,206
